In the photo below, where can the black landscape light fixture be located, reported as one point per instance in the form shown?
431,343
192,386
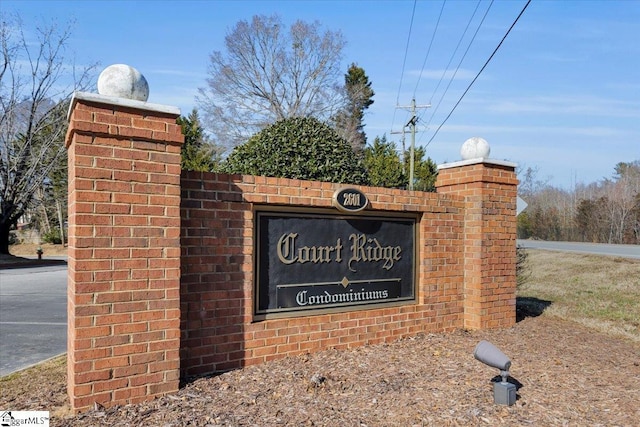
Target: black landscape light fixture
504,393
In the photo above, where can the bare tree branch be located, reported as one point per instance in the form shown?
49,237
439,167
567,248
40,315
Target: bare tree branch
35,87
267,74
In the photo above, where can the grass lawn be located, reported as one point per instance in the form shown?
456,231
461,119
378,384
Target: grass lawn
600,292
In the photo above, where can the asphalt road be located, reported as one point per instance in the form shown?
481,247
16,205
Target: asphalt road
33,316
624,251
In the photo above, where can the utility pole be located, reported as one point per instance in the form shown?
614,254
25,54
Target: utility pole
412,125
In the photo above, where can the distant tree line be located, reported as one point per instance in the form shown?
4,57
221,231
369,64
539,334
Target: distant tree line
607,211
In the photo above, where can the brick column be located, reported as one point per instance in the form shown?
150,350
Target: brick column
124,251
490,191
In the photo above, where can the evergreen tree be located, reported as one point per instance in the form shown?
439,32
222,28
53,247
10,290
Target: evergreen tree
384,165
198,153
387,170
359,96
425,170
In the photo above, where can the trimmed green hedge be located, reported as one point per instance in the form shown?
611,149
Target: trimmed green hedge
300,148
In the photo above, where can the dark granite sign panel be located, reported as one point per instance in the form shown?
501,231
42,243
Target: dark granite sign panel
308,261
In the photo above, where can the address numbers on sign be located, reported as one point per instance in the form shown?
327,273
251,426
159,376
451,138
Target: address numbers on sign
350,200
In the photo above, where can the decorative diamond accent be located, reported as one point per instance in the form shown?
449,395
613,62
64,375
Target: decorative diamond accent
344,282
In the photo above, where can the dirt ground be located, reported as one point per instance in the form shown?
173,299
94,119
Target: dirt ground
567,375
23,255
29,250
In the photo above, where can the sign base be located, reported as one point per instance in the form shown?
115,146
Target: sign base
504,393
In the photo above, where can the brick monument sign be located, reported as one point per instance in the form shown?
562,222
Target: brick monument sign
175,274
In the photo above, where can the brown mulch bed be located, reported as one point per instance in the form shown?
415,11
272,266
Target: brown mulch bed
567,375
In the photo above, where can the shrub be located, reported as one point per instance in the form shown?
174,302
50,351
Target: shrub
13,238
52,236
522,266
300,148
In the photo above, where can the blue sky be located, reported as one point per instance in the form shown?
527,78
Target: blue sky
562,94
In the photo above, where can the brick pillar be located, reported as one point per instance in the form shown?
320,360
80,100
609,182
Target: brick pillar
124,251
490,191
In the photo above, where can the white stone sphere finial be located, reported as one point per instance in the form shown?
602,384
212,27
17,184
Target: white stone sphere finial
475,148
123,81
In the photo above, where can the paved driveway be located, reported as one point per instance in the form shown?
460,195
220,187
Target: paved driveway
624,251
33,315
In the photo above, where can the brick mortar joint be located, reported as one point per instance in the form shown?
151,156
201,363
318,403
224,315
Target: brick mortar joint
73,131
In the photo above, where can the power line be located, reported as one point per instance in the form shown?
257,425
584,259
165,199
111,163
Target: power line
444,71
433,36
479,72
464,55
412,124
404,61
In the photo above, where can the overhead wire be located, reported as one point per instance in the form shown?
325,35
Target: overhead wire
404,61
433,36
464,55
479,72
455,51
